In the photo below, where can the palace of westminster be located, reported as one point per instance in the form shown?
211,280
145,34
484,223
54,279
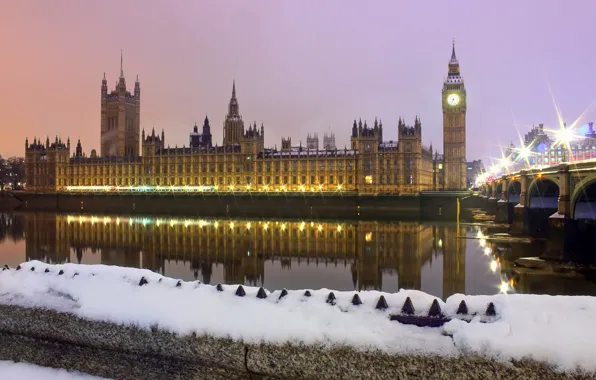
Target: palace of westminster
130,158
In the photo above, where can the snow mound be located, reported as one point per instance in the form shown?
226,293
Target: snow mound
18,371
555,330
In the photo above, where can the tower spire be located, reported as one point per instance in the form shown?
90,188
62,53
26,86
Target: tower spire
234,89
121,70
453,57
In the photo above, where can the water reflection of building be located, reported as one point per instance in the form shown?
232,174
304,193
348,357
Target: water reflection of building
243,246
454,260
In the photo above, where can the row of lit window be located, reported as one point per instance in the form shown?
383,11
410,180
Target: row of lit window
211,181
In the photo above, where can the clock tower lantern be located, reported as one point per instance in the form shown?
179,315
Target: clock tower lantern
454,127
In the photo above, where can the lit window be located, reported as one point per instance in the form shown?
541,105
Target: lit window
368,179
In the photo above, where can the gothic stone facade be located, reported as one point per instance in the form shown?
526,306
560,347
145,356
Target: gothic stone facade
370,166
454,127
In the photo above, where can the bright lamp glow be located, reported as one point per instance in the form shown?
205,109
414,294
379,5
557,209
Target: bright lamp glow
524,152
565,135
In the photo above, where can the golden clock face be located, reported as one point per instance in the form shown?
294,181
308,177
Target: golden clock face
453,100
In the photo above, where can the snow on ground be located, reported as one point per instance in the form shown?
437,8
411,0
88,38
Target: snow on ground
21,371
556,330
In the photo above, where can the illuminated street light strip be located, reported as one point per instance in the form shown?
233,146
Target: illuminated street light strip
195,189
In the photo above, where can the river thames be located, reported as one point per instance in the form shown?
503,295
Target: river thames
436,257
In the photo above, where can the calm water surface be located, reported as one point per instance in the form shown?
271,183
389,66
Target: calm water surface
439,258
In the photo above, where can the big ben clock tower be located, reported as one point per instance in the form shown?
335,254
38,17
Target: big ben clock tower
454,127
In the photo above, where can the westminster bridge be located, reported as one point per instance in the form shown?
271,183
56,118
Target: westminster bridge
557,203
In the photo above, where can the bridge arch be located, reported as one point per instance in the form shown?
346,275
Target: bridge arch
542,188
514,191
584,195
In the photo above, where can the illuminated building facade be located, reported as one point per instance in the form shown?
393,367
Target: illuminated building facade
372,165
544,151
474,169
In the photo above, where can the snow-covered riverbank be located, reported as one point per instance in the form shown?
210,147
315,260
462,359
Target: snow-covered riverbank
553,330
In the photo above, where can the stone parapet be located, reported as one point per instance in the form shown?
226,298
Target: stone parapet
60,339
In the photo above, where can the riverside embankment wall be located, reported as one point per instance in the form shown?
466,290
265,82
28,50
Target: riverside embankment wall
60,339
247,205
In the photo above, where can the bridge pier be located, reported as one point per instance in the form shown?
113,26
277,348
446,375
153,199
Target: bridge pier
519,224
502,211
563,230
491,206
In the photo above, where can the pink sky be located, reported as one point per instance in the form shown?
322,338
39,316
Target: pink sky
300,67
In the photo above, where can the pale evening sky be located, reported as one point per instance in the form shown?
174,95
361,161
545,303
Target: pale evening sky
299,66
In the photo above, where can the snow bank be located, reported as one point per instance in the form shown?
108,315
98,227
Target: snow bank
20,371
555,330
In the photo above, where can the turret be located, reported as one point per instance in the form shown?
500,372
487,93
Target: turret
137,88
104,87
286,144
79,149
233,124
355,129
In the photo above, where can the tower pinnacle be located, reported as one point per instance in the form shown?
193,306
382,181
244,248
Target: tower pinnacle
233,109
121,70
453,60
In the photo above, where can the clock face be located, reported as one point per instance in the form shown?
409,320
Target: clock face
453,99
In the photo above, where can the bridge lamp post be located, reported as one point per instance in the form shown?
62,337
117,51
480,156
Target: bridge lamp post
565,137
505,163
524,154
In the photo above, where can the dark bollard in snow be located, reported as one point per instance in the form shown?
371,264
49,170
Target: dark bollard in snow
143,281
47,270
408,307
307,293
356,301
435,309
179,284
240,291
32,269
283,293
18,267
463,308
331,299
382,304
490,310
6,267
61,272
219,288
261,294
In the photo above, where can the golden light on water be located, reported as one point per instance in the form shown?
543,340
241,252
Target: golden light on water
494,265
504,287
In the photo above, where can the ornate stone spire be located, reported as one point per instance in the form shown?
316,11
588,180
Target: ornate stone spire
453,60
121,69
233,109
